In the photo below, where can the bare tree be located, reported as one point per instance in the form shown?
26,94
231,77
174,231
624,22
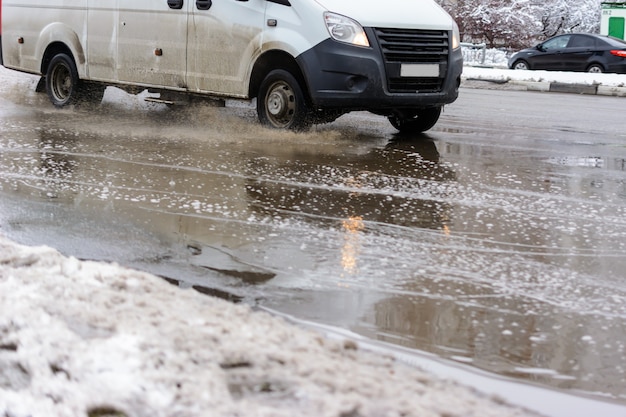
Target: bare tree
566,16
518,23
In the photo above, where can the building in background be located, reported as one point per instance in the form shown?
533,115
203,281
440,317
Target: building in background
613,20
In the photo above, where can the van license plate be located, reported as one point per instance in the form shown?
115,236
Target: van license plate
419,70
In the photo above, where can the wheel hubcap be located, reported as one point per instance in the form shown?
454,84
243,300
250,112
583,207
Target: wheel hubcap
276,103
281,104
62,84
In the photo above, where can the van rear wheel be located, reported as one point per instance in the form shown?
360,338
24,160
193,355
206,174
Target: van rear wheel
281,102
62,81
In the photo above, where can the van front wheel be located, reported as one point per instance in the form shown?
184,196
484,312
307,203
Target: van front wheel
281,103
415,121
62,81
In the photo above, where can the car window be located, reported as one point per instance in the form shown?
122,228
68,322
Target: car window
581,41
559,42
615,42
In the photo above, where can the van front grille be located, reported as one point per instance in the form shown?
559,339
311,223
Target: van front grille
413,46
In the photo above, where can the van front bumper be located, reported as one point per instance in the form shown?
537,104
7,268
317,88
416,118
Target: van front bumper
346,77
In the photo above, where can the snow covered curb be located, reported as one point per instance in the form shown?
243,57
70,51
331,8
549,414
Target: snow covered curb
550,81
92,339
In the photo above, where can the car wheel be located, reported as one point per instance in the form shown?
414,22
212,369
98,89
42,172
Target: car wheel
62,81
281,102
415,121
521,65
595,69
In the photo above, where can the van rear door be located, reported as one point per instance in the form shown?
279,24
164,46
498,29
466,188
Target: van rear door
152,42
224,38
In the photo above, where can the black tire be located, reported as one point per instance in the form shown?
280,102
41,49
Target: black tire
281,103
416,121
62,81
595,68
520,65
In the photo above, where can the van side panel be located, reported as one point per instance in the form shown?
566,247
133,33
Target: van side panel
151,43
102,24
32,25
223,42
288,35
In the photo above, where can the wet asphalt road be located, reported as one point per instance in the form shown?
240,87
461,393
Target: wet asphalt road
496,240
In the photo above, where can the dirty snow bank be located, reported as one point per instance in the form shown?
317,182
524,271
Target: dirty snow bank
505,75
92,339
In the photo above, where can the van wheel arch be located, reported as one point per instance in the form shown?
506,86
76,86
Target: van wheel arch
282,94
80,92
273,60
53,50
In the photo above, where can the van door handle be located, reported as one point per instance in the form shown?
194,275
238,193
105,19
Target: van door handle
204,4
175,4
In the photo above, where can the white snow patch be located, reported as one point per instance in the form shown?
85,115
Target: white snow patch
86,337
505,75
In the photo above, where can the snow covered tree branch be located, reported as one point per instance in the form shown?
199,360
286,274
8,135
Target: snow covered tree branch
515,24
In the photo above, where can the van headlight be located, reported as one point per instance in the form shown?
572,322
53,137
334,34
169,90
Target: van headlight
344,29
456,36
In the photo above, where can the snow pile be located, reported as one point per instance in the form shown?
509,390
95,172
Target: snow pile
93,339
507,75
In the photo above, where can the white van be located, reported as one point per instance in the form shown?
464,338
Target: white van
304,61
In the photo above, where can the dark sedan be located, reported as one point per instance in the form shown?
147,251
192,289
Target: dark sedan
574,52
